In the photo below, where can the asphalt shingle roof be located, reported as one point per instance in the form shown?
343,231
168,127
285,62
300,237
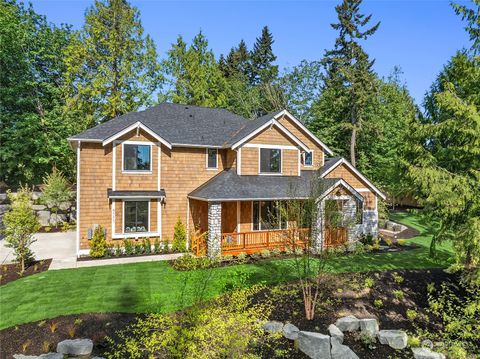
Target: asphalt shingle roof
178,124
227,185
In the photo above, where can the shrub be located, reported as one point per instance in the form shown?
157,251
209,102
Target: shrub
241,256
369,282
412,314
227,258
298,251
128,247
413,341
366,239
138,248
56,190
147,246
398,294
118,251
397,278
276,252
378,303
98,244
53,327
255,256
71,331
401,242
165,246
227,327
367,341
179,237
288,251
388,242
376,244
19,225
265,253
189,262
157,248
46,346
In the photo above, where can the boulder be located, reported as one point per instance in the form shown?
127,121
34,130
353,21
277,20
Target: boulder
39,207
340,351
290,331
314,345
51,356
424,353
273,327
75,347
4,208
43,217
335,333
57,218
396,339
348,324
369,327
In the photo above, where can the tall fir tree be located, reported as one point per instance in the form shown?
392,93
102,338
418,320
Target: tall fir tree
263,70
237,63
33,130
112,68
194,75
350,81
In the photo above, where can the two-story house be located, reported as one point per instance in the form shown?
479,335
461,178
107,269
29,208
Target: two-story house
216,171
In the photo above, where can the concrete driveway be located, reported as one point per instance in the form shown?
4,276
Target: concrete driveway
59,246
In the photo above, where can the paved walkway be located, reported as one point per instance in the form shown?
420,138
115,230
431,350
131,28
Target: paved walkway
59,246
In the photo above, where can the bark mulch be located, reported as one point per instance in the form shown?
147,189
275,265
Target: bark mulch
11,272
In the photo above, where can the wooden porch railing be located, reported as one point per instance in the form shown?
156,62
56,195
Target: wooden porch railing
255,241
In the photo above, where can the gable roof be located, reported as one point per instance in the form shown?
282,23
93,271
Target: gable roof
334,162
179,125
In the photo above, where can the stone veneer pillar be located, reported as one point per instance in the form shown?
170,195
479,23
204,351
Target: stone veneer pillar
214,229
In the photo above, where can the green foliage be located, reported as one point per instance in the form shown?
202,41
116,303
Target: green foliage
227,258
188,262
398,278
179,237
472,16
147,246
33,127
56,190
98,244
412,314
19,225
262,58
241,257
378,303
369,282
446,158
398,294
112,66
194,75
367,341
413,341
128,247
265,253
459,315
157,246
224,328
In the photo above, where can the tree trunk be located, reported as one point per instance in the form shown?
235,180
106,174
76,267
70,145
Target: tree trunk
353,143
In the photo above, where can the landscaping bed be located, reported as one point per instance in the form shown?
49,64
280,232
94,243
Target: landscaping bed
343,294
11,272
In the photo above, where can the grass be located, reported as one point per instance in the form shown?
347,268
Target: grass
155,286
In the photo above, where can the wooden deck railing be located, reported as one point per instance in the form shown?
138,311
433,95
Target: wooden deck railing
255,241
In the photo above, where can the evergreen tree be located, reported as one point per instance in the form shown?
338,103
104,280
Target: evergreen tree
237,63
350,80
262,58
472,16
33,131
446,166
194,74
112,68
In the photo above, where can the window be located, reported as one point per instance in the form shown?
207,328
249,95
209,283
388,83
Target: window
270,160
135,216
212,158
267,215
136,157
308,158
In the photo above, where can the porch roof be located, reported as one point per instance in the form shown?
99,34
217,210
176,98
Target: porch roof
228,186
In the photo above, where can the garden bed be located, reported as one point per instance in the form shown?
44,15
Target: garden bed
343,294
11,272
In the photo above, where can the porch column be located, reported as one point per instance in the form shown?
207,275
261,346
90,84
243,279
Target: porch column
214,229
317,231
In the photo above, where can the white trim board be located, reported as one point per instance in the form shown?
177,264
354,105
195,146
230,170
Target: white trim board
78,199
357,172
137,125
272,122
305,129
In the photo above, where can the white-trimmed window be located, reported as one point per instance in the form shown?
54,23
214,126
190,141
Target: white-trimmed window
270,160
268,215
307,159
212,158
137,157
136,216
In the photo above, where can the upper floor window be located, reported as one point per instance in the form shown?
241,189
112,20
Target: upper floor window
307,158
135,216
212,161
136,157
270,160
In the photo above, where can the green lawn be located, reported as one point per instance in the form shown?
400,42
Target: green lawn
155,286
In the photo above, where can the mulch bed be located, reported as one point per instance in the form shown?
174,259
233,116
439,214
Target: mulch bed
49,229
346,295
11,272
343,294
38,337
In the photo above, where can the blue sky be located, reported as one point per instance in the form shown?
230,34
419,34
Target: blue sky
417,36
